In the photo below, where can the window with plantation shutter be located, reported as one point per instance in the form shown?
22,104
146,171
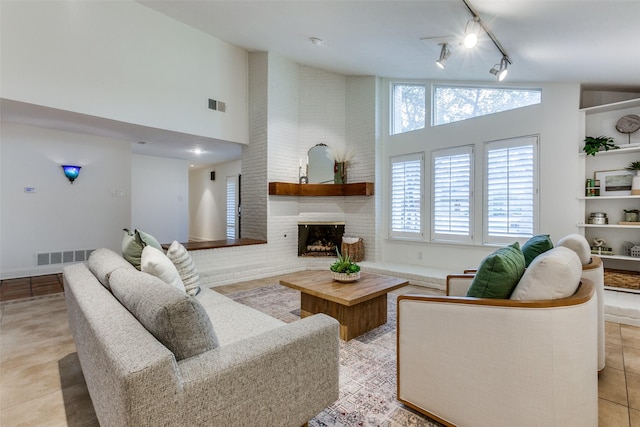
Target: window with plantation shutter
406,196
511,195
452,193
232,202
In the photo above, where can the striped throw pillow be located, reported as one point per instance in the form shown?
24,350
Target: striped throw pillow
185,266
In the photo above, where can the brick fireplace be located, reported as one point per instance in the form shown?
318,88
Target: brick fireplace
319,239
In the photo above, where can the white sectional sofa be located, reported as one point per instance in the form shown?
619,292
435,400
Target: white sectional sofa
153,355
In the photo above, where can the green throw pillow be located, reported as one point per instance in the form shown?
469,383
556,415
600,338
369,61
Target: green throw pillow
498,274
535,246
134,242
148,240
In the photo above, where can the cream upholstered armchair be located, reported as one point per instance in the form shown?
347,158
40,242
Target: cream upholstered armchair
592,269
489,362
500,362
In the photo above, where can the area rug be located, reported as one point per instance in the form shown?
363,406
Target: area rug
367,366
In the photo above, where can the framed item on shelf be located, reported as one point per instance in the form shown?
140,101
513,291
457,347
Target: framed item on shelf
615,183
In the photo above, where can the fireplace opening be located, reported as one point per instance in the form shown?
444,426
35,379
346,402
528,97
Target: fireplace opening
319,239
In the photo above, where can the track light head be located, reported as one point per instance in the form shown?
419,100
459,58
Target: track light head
500,73
445,53
471,32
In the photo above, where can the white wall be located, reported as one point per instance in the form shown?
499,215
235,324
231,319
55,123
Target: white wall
556,120
59,216
208,201
160,197
121,60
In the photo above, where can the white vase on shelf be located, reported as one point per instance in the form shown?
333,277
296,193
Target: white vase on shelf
635,184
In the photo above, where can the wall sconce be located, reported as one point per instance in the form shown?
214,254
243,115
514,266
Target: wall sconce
71,172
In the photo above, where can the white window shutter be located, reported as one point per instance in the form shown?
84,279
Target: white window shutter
406,196
511,189
452,203
232,202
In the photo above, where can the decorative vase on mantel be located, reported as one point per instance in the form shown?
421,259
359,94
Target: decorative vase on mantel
340,172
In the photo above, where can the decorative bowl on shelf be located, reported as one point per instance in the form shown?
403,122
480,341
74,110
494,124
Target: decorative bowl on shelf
346,277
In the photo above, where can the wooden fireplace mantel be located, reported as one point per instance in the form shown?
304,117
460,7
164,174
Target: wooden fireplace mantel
292,189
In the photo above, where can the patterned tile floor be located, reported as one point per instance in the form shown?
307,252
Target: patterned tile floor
41,382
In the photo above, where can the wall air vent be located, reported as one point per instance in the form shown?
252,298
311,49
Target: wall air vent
56,257
42,259
217,105
62,257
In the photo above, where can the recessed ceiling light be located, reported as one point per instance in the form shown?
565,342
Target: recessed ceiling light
316,41
196,151
142,142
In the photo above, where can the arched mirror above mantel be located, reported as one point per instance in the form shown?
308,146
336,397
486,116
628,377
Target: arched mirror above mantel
320,165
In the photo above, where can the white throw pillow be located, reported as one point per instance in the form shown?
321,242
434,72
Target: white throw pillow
180,257
552,275
579,245
154,262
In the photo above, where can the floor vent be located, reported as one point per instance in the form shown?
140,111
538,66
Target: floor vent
62,257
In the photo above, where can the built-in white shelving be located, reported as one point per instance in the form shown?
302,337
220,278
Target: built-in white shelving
633,148
620,257
596,121
637,227
606,197
614,106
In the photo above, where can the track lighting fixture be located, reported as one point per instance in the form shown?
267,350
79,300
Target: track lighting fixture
501,72
445,53
471,32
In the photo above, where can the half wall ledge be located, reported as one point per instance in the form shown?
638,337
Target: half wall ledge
213,244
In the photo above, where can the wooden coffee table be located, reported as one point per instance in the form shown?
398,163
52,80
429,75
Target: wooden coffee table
359,306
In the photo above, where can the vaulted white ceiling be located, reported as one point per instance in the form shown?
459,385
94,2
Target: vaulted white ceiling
593,42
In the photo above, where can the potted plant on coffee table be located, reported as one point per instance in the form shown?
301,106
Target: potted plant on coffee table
344,270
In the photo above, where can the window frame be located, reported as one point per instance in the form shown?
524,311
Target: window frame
438,237
434,88
403,234
519,141
392,110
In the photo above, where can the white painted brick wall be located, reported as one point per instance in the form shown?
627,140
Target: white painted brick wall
291,109
361,138
254,156
322,108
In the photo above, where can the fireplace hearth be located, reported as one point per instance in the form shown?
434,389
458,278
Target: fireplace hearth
319,239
